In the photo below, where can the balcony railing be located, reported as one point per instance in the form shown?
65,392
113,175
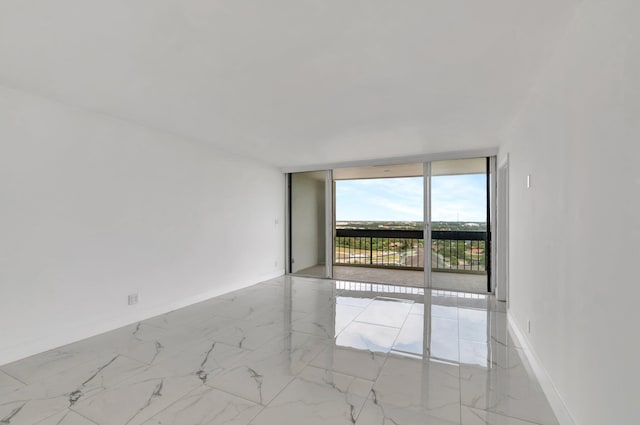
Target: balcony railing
380,248
458,251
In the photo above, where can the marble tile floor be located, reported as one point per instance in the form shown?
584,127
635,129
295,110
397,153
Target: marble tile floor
290,351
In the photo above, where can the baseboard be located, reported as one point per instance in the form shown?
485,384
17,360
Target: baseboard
86,329
555,400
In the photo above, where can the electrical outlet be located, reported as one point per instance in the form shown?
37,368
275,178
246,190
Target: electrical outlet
132,299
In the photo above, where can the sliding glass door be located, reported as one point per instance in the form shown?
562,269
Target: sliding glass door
379,224
460,224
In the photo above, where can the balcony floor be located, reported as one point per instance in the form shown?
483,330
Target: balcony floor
415,278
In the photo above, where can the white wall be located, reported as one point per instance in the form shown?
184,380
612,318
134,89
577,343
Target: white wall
575,234
94,208
308,219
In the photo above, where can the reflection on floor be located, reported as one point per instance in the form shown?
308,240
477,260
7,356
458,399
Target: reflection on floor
290,351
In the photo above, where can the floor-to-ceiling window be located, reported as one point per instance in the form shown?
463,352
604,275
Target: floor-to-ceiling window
367,224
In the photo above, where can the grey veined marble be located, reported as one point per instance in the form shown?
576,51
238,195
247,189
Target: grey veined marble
290,351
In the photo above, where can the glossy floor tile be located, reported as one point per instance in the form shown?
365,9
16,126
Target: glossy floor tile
288,351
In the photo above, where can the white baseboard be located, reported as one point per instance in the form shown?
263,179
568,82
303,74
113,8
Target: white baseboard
87,329
555,400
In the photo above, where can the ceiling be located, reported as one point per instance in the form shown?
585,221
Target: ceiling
438,168
293,82
379,172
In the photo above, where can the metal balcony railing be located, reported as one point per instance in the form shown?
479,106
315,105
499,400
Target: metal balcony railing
457,251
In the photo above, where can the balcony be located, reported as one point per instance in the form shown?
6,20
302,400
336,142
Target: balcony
458,258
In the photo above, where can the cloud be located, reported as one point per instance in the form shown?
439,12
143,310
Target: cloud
400,208
458,197
379,199
400,199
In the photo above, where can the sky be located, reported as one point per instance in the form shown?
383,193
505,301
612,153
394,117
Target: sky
453,198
